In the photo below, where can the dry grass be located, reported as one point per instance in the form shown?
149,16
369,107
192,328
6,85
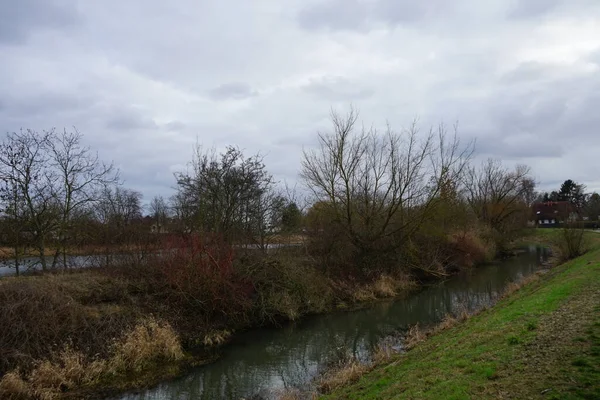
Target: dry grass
414,336
512,287
448,322
471,248
149,342
383,352
343,375
385,286
13,387
217,338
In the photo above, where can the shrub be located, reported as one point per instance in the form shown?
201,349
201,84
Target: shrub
148,343
39,315
470,248
572,243
198,272
286,287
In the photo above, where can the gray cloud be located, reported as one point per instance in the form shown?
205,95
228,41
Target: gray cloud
524,9
232,91
337,88
145,81
18,19
175,126
359,14
334,14
128,119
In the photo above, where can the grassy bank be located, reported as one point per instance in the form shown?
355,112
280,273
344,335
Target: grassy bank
543,341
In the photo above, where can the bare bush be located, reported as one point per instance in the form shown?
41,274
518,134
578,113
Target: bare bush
571,243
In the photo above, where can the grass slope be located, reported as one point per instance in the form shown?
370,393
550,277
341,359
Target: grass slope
541,342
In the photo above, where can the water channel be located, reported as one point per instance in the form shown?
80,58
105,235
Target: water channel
262,362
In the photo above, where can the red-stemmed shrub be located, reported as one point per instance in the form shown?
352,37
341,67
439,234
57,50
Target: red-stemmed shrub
198,270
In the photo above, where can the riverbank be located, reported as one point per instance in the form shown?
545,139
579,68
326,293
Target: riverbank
95,319
540,342
92,332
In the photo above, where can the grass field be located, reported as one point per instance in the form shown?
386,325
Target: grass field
541,342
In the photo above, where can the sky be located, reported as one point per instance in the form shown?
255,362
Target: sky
147,80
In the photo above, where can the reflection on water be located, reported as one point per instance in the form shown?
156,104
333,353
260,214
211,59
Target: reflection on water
266,360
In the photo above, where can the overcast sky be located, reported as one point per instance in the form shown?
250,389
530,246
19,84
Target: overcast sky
143,80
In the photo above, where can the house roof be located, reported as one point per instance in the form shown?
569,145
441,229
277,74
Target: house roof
552,209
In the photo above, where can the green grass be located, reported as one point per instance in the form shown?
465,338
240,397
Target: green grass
545,338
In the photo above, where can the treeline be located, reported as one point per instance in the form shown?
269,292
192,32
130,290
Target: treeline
377,200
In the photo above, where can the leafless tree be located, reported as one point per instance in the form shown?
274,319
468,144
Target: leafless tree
159,210
497,194
81,178
381,185
27,189
53,178
227,194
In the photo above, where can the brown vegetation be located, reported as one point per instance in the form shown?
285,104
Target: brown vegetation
148,343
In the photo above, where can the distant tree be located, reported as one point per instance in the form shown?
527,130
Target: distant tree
546,197
554,196
81,177
496,195
291,218
593,207
159,210
567,189
116,210
228,194
529,194
50,179
574,193
28,185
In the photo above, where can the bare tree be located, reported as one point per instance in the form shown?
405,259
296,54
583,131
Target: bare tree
227,194
381,186
159,210
51,177
81,177
497,195
116,210
27,189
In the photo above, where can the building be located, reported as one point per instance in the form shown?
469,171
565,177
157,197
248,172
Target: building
552,213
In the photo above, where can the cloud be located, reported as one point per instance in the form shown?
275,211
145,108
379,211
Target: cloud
232,91
145,81
334,14
524,9
337,88
128,119
21,18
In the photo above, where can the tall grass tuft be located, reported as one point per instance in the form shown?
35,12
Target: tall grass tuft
149,342
342,375
13,387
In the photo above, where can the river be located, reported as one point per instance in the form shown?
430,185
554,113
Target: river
262,362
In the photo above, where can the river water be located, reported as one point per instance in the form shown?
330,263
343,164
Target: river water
262,362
